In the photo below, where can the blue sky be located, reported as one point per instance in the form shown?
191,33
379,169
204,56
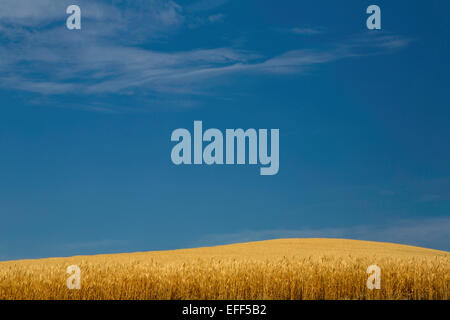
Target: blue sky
86,119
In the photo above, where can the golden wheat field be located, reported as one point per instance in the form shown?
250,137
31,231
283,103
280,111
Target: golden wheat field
275,269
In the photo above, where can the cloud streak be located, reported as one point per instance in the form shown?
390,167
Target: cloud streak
109,55
205,5
305,31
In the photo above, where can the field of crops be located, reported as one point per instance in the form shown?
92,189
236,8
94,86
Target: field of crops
276,269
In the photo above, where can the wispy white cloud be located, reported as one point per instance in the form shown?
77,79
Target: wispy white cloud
91,67
195,22
135,19
29,12
216,17
306,31
107,56
382,41
205,5
40,12
303,30
429,232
